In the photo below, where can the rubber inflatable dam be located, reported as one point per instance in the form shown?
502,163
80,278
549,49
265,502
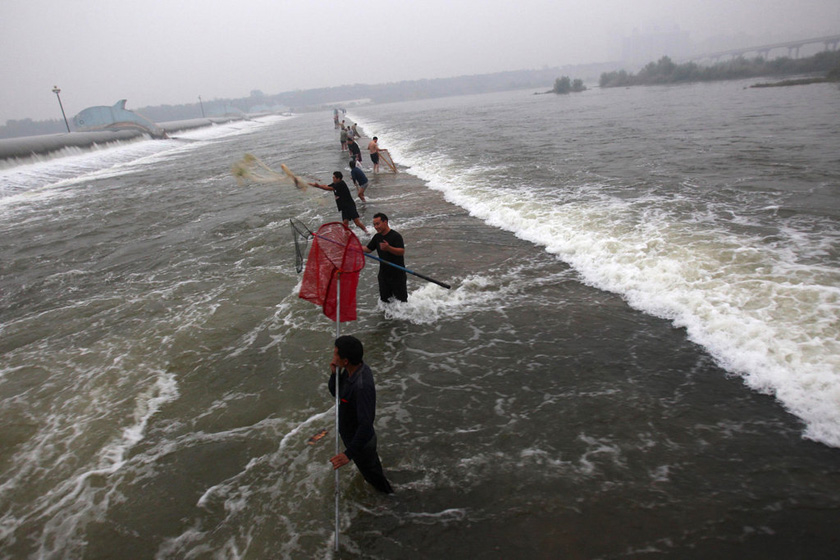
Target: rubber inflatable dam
104,124
28,146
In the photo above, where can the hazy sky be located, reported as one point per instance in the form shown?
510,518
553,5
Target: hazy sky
155,52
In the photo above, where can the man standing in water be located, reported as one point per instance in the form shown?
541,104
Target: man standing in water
356,412
343,200
342,136
390,247
374,149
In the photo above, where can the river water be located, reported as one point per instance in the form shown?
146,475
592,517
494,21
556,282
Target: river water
638,357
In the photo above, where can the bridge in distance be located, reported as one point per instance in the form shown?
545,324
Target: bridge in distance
830,42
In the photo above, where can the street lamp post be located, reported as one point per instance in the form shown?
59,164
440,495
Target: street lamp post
56,91
202,106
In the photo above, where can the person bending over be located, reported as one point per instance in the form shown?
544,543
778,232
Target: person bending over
359,179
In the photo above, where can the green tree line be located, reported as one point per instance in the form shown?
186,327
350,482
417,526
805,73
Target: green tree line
566,85
665,71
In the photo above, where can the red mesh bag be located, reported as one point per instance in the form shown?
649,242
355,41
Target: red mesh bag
335,250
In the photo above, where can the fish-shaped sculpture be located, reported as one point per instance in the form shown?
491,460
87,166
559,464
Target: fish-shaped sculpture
115,117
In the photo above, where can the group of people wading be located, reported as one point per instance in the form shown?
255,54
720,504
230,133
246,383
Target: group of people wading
348,136
357,391
387,243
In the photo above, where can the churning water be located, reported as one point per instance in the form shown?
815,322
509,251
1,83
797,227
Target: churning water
638,355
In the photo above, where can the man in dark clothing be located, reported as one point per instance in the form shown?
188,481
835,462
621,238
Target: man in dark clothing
390,247
359,179
343,199
356,412
354,149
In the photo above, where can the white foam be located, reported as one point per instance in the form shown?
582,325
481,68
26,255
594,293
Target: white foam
43,178
430,302
758,310
75,500
147,404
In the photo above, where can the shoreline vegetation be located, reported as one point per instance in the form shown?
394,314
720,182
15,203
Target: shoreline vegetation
566,85
833,76
666,71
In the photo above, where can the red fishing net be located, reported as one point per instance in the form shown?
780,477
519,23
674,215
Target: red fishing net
335,250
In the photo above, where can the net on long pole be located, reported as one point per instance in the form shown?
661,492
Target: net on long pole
300,236
330,280
337,490
335,250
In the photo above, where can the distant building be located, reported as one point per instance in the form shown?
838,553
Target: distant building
259,109
641,48
227,110
347,103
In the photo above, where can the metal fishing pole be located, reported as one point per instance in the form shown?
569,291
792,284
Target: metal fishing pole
296,223
337,402
417,274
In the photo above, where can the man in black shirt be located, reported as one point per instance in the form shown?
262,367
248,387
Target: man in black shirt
354,149
343,199
390,247
356,412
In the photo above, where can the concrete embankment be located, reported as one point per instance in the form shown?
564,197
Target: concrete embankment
38,145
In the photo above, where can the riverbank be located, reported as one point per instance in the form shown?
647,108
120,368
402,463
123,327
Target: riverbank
666,71
832,77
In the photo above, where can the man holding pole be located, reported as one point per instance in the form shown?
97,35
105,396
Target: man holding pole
390,247
374,149
356,411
